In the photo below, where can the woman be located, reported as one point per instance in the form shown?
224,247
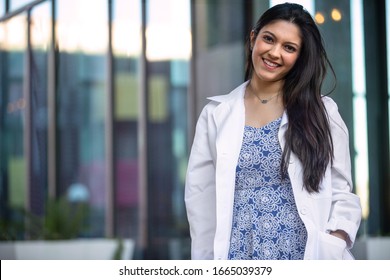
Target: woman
269,175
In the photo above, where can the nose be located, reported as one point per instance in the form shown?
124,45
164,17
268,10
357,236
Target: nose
274,52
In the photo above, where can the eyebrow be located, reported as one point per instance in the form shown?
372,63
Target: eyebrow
273,35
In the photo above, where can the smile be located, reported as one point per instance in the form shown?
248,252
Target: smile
270,64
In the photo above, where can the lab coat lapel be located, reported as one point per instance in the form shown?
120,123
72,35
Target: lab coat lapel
229,117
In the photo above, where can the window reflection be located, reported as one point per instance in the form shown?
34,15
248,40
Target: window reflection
126,28
14,32
13,159
81,27
168,48
40,27
360,105
168,33
81,96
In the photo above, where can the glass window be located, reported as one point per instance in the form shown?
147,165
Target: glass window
219,48
40,27
360,108
341,24
16,4
82,39
13,158
168,52
126,45
2,7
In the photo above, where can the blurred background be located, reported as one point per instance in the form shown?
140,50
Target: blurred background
99,101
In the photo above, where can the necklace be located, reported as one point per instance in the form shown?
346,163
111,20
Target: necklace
265,101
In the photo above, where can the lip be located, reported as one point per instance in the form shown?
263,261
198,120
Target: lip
270,64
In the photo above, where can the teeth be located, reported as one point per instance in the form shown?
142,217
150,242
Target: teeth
269,63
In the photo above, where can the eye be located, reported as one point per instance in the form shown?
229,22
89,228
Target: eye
268,39
290,48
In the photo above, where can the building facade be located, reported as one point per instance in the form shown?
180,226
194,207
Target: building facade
99,101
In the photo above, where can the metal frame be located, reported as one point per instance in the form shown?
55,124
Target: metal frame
52,111
109,134
10,14
192,100
142,140
28,112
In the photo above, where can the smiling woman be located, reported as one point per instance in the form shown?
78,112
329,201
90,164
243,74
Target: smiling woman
247,153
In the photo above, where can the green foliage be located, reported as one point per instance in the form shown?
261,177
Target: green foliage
118,251
11,229
62,220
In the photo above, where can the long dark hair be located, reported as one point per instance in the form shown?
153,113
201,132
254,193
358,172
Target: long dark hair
308,133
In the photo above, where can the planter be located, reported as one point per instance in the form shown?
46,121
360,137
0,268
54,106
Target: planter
76,249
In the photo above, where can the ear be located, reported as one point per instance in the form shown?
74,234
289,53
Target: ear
252,39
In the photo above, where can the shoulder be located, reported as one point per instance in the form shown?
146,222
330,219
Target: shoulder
330,104
333,113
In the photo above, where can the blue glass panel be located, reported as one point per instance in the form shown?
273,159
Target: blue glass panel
13,158
168,53
82,38
126,42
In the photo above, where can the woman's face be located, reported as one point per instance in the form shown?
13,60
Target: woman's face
275,50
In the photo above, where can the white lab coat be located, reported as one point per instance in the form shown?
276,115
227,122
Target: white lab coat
210,183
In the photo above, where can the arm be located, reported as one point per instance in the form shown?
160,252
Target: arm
345,215
200,191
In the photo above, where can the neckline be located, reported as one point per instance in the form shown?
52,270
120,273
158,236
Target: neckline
267,124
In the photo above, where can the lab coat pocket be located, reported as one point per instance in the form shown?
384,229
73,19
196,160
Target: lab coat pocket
330,247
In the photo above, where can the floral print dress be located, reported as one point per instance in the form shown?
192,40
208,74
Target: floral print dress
266,223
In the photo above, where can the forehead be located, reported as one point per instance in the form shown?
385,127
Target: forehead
284,30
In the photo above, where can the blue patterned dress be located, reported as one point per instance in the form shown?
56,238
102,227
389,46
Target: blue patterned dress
266,223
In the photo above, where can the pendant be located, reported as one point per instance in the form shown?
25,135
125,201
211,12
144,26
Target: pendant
264,101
